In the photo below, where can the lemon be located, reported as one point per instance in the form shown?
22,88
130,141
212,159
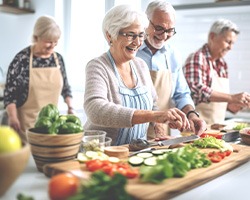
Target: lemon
10,141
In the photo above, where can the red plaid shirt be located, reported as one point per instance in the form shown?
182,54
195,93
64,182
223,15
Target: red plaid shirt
198,74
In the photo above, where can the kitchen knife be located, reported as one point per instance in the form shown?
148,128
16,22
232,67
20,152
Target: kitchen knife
177,140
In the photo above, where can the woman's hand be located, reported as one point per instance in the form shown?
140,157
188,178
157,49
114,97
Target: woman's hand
175,118
14,123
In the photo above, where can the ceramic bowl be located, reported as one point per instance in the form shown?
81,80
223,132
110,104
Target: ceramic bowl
47,148
245,135
12,165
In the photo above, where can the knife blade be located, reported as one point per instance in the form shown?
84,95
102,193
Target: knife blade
178,140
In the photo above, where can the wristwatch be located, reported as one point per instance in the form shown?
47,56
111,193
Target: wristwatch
193,111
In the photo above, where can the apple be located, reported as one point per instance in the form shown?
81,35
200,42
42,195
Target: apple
10,141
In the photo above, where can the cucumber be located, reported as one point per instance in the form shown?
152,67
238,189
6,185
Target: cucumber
150,161
91,154
81,157
157,152
144,155
136,160
114,159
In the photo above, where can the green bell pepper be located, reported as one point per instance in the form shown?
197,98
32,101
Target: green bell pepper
50,111
70,127
54,129
43,124
74,119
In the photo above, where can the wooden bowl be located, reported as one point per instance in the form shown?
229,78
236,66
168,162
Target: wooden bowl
245,135
117,151
46,148
12,165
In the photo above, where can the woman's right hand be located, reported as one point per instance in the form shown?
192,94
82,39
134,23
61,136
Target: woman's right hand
175,118
15,124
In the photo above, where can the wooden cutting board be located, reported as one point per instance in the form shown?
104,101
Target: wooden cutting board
170,187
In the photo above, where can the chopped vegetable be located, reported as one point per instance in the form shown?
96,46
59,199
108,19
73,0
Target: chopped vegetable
21,196
240,126
103,187
174,164
212,142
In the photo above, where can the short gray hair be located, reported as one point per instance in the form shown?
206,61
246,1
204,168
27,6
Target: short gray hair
120,17
159,5
46,28
222,25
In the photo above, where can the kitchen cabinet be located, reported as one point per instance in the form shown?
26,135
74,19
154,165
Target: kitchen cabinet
15,10
221,4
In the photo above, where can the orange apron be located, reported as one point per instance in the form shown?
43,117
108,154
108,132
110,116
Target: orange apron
162,81
215,112
45,86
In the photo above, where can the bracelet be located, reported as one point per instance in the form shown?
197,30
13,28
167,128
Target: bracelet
192,111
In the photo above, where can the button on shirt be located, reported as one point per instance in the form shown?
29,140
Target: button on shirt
162,59
199,76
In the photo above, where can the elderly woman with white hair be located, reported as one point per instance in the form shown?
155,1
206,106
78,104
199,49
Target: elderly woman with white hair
206,72
119,95
36,77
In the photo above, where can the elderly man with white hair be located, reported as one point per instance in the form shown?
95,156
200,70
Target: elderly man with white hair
165,65
207,74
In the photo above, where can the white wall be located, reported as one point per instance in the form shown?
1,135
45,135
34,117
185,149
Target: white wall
16,30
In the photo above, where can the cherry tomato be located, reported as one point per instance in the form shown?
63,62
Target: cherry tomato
228,152
95,165
132,173
62,186
215,158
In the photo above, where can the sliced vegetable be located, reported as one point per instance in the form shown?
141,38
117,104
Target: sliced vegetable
145,155
150,161
136,160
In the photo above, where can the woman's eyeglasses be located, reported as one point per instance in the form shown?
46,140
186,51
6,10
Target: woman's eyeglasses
132,36
159,30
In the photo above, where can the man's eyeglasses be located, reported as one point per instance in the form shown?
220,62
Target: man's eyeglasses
159,30
131,36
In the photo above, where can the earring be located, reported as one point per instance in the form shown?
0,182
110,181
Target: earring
110,43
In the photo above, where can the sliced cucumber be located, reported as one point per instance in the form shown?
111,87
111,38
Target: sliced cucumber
81,157
150,161
91,154
157,152
114,159
144,155
136,160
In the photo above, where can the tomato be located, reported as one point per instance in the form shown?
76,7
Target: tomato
228,152
215,158
222,154
95,165
107,169
132,173
62,186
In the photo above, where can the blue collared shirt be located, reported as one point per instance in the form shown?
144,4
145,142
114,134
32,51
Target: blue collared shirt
162,59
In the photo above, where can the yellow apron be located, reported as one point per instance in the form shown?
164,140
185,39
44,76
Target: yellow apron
45,86
162,81
215,112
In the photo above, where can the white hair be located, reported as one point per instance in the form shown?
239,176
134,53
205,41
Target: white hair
46,28
222,25
161,5
120,17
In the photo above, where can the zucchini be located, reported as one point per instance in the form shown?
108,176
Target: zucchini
114,159
150,161
136,160
81,157
144,155
157,152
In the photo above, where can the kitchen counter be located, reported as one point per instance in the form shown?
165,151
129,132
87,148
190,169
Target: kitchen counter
233,185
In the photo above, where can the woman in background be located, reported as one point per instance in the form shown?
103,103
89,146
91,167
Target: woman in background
119,95
36,77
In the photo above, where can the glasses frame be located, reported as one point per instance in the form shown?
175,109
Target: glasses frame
133,35
170,32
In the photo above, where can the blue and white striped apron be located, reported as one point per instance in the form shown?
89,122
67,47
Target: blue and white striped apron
138,98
